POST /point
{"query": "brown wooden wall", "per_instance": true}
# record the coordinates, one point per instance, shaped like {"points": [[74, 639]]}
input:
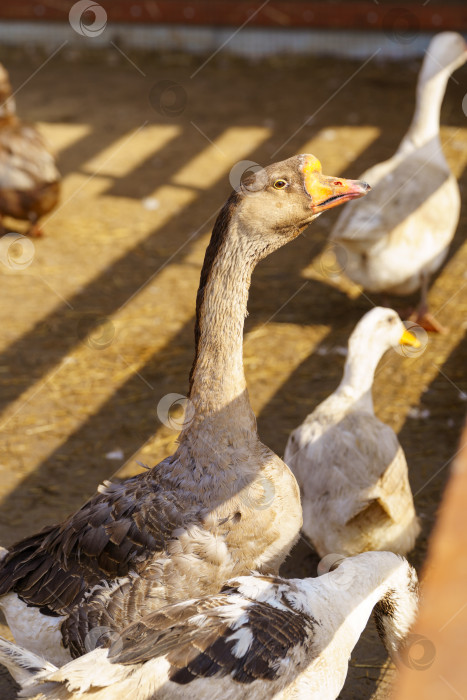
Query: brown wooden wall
{"points": [[356, 14]]}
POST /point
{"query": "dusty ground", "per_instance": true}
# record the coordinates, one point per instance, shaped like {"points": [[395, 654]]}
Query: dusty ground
{"points": [[122, 255]]}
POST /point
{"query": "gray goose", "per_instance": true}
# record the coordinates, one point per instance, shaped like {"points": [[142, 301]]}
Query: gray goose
{"points": [[223, 504], [29, 179], [261, 637]]}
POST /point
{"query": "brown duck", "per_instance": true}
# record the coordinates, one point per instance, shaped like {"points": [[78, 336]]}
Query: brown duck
{"points": [[223, 504], [29, 179]]}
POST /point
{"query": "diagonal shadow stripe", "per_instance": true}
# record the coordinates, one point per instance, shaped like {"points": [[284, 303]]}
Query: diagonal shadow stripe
{"points": [[106, 281], [88, 444], [104, 294]]}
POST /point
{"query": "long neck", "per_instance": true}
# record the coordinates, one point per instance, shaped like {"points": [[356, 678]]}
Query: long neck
{"points": [[218, 390], [431, 87], [359, 372]]}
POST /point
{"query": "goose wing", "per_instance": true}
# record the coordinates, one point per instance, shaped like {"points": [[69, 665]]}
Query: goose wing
{"points": [[225, 634], [401, 186], [346, 465], [121, 528]]}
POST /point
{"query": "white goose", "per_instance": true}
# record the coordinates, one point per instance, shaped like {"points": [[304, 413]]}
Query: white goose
{"points": [[262, 637], [401, 234], [223, 504], [350, 466]]}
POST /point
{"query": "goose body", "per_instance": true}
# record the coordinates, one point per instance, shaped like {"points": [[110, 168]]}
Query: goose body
{"points": [[350, 466], [401, 233], [29, 179], [261, 637], [223, 504]]}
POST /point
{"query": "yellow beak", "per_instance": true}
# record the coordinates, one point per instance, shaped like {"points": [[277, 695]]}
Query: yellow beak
{"points": [[327, 192], [408, 338]]}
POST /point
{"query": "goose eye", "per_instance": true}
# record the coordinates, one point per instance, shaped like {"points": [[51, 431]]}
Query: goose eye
{"points": [[280, 184]]}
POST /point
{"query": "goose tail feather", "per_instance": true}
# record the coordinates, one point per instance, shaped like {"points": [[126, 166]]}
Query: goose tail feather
{"points": [[23, 665]]}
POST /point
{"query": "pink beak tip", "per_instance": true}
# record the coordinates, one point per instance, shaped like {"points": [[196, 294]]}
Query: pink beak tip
{"points": [[365, 186]]}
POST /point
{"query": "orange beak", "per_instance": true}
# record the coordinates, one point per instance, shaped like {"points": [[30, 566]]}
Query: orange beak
{"points": [[327, 192]]}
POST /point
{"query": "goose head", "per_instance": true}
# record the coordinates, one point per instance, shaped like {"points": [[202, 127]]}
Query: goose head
{"points": [[396, 610], [446, 53], [7, 102], [380, 581], [379, 330], [276, 203]]}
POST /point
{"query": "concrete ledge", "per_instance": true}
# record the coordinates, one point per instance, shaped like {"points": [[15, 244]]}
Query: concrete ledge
{"points": [[253, 43]]}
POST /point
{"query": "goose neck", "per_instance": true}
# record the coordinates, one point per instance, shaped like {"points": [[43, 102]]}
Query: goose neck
{"points": [[431, 87], [357, 380], [380, 579], [218, 391]]}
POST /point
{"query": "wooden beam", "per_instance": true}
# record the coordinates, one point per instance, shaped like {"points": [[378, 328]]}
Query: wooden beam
{"points": [[434, 666], [343, 14]]}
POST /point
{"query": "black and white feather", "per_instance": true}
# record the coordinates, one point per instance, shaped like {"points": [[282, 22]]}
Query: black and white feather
{"points": [[350, 466], [261, 637]]}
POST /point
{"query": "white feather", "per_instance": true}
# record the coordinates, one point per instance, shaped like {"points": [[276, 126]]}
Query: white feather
{"points": [[350, 466], [400, 233], [338, 604]]}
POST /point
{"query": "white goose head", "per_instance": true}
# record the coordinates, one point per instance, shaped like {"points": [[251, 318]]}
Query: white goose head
{"points": [[379, 330], [396, 610], [380, 581], [446, 53]]}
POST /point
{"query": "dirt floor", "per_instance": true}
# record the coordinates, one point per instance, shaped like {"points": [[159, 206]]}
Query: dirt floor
{"points": [[97, 320]]}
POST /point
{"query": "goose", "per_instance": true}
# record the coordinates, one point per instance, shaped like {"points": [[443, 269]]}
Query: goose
{"points": [[401, 233], [261, 637], [29, 179], [349, 465], [223, 504]]}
